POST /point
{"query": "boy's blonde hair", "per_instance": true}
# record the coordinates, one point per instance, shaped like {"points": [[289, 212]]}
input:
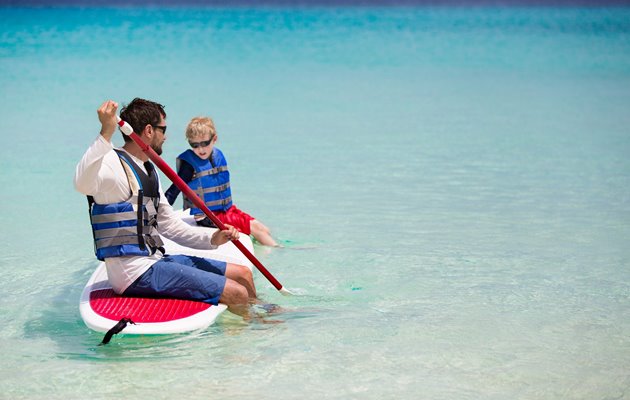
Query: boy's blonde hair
{"points": [[199, 126]]}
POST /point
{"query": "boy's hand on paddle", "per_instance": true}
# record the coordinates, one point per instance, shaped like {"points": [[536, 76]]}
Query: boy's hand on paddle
{"points": [[222, 237]]}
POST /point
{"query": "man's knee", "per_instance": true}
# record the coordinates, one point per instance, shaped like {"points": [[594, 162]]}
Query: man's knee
{"points": [[234, 293], [246, 273], [239, 272]]}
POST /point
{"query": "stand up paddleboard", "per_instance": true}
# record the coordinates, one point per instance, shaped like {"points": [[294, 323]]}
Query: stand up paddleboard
{"points": [[102, 309]]}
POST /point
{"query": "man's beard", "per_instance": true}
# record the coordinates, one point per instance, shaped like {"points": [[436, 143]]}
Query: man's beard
{"points": [[157, 148]]}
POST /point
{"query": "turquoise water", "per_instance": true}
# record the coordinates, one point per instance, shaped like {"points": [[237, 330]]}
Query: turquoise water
{"points": [[453, 185]]}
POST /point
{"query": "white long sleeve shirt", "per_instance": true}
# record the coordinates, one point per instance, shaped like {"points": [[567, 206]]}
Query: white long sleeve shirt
{"points": [[101, 175]]}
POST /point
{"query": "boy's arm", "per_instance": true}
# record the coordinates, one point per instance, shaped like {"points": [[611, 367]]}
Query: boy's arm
{"points": [[186, 172]]}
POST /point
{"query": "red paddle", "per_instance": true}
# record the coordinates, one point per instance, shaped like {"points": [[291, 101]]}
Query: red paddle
{"points": [[168, 171]]}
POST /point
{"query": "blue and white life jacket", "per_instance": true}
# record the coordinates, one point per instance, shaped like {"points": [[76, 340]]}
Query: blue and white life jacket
{"points": [[211, 181], [128, 228]]}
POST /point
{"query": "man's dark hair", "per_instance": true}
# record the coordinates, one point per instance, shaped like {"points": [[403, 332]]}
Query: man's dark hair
{"points": [[140, 113]]}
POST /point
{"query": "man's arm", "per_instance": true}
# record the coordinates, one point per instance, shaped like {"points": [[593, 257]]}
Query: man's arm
{"points": [[90, 173], [172, 227]]}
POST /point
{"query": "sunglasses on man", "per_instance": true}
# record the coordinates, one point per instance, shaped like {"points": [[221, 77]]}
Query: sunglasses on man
{"points": [[162, 127]]}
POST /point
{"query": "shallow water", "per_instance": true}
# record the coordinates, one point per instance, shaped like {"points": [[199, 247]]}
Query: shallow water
{"points": [[452, 186]]}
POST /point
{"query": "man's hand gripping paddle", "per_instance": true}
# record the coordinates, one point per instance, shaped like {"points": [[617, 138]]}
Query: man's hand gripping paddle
{"points": [[192, 196]]}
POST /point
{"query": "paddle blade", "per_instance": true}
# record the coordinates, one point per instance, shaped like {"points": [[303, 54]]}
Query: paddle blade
{"points": [[286, 291]]}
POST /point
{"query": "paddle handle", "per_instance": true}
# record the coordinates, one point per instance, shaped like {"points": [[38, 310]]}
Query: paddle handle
{"points": [[192, 196]]}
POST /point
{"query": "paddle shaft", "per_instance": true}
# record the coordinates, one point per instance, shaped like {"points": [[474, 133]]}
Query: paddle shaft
{"points": [[192, 196]]}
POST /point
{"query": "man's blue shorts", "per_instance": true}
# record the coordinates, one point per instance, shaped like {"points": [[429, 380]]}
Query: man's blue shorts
{"points": [[182, 277]]}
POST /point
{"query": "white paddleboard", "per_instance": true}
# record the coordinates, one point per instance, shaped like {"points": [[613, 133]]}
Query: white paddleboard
{"points": [[101, 308]]}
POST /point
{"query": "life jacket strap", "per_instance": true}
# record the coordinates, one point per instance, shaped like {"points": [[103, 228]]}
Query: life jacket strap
{"points": [[114, 232], [117, 217], [221, 202], [116, 241], [154, 242], [210, 171], [213, 189]]}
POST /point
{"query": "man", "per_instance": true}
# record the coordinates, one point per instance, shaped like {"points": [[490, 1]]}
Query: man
{"points": [[128, 209]]}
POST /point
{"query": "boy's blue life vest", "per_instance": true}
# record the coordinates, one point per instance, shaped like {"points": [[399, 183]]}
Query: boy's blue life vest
{"points": [[211, 181], [128, 228]]}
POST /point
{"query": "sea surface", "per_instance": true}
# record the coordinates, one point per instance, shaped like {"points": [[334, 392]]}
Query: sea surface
{"points": [[451, 184]]}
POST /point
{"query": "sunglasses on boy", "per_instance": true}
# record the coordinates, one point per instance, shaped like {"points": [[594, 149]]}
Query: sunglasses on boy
{"points": [[205, 143]]}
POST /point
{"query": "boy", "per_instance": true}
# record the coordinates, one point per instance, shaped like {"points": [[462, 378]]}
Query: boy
{"points": [[205, 170]]}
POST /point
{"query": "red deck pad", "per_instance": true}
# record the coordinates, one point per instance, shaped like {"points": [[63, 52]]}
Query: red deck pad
{"points": [[109, 305]]}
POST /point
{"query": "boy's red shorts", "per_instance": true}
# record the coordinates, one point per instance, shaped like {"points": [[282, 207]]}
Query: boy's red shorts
{"points": [[235, 217]]}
